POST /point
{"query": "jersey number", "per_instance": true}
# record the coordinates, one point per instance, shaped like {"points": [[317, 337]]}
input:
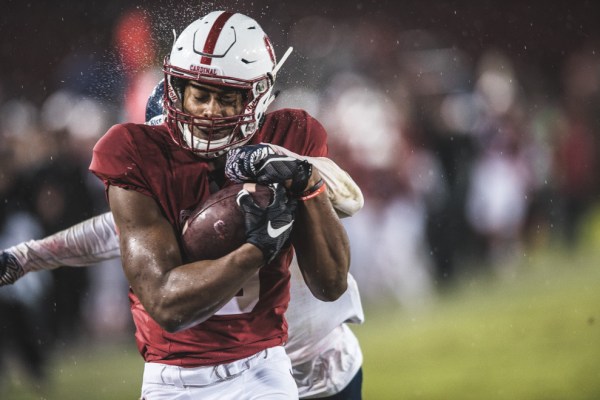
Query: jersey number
{"points": [[245, 300]]}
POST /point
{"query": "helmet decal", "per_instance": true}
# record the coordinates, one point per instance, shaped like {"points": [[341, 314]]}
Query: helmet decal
{"points": [[213, 36]]}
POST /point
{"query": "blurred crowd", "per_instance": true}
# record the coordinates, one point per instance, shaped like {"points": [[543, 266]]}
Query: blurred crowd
{"points": [[466, 161]]}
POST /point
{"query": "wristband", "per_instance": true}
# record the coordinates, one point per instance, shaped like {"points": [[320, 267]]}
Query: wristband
{"points": [[314, 191]]}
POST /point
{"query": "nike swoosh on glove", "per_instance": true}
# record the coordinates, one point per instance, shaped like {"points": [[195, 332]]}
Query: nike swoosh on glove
{"points": [[268, 228], [10, 269]]}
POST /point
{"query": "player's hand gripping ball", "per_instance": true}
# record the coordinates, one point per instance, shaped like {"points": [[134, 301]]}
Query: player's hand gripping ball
{"points": [[259, 163], [268, 228], [217, 226]]}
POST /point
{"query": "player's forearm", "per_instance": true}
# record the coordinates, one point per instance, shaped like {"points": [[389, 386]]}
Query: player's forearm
{"points": [[344, 194], [322, 246], [191, 293], [86, 243]]}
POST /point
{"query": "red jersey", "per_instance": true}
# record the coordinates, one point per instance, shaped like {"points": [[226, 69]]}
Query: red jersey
{"points": [[145, 158]]}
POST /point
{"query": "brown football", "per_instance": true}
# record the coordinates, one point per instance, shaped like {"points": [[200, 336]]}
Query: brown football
{"points": [[216, 227]]}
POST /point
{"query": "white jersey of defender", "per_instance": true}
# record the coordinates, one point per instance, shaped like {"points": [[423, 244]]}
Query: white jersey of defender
{"points": [[325, 353]]}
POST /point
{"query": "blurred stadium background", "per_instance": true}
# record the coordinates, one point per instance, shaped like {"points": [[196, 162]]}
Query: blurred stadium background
{"points": [[472, 128]]}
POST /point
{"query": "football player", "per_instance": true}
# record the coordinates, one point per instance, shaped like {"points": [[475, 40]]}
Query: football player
{"points": [[325, 354], [218, 83]]}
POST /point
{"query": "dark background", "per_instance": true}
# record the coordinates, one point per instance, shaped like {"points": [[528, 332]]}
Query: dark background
{"points": [[37, 37]]}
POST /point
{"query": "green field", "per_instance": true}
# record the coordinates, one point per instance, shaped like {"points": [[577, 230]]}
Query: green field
{"points": [[535, 335]]}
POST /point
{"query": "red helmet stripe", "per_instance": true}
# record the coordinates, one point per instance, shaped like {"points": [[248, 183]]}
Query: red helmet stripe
{"points": [[213, 36]]}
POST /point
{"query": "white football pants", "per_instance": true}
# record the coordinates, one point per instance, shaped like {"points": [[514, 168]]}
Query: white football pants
{"points": [[265, 375]]}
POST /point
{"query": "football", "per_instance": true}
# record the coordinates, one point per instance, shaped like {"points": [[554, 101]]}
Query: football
{"points": [[216, 227]]}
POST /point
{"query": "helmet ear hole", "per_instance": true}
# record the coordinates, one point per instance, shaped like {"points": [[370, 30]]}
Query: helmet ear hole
{"points": [[260, 87]]}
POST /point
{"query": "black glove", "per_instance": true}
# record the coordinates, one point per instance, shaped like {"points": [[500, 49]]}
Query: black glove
{"points": [[241, 162], [259, 163], [268, 228], [10, 269]]}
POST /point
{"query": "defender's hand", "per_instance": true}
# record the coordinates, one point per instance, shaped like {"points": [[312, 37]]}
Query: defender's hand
{"points": [[10, 269], [268, 228]]}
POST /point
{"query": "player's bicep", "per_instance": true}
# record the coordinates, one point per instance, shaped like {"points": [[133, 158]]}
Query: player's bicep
{"points": [[149, 248]]}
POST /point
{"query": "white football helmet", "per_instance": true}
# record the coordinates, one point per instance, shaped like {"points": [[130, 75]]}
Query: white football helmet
{"points": [[223, 49]]}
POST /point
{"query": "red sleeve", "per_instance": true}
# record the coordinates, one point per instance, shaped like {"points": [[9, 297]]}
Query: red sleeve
{"points": [[116, 159], [316, 138], [295, 130]]}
